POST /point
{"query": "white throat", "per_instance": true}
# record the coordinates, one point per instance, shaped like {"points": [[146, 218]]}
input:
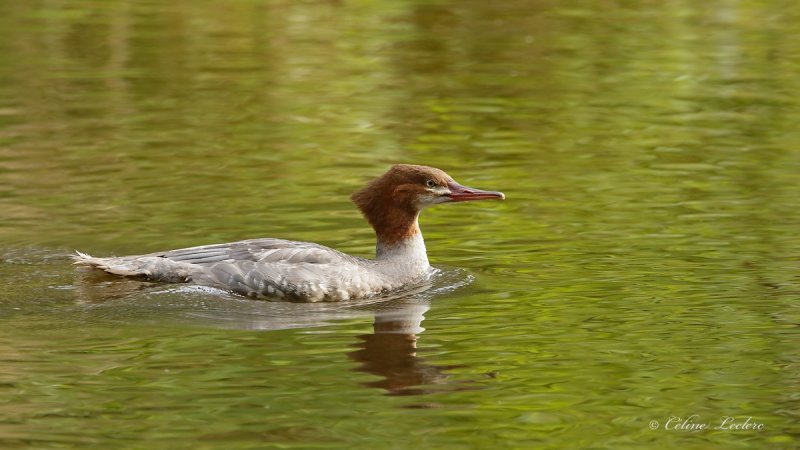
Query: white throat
{"points": [[405, 259]]}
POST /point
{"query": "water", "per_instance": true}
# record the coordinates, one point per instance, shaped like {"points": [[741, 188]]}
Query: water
{"points": [[645, 264]]}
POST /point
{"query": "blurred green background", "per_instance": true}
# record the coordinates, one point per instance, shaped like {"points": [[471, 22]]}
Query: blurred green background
{"points": [[645, 264]]}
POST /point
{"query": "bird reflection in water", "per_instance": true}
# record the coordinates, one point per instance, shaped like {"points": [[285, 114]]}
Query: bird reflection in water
{"points": [[389, 352]]}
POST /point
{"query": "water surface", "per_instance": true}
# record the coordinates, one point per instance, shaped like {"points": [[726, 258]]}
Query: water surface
{"points": [[645, 264]]}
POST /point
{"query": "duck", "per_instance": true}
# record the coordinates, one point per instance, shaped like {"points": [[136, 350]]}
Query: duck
{"points": [[278, 269]]}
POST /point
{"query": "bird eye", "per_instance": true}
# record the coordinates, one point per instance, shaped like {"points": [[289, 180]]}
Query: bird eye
{"points": [[430, 183]]}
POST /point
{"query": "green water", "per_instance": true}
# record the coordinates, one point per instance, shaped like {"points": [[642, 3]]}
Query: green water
{"points": [[645, 264]]}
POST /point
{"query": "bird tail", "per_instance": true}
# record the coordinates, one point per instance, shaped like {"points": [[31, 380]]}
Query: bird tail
{"points": [[151, 267]]}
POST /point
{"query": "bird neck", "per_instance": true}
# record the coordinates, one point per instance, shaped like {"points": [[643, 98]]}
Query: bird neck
{"points": [[410, 249]]}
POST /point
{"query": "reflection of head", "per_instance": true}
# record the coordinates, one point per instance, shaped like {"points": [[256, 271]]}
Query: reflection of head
{"points": [[390, 352]]}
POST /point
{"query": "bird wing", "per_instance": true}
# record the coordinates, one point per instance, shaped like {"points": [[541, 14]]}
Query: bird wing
{"points": [[266, 250], [269, 267]]}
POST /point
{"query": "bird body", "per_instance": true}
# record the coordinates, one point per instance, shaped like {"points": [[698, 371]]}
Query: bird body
{"points": [[304, 271]]}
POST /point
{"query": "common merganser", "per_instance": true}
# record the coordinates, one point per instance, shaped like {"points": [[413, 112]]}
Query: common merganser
{"points": [[303, 271]]}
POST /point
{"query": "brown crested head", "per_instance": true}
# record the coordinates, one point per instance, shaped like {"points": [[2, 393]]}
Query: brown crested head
{"points": [[401, 186], [392, 202]]}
